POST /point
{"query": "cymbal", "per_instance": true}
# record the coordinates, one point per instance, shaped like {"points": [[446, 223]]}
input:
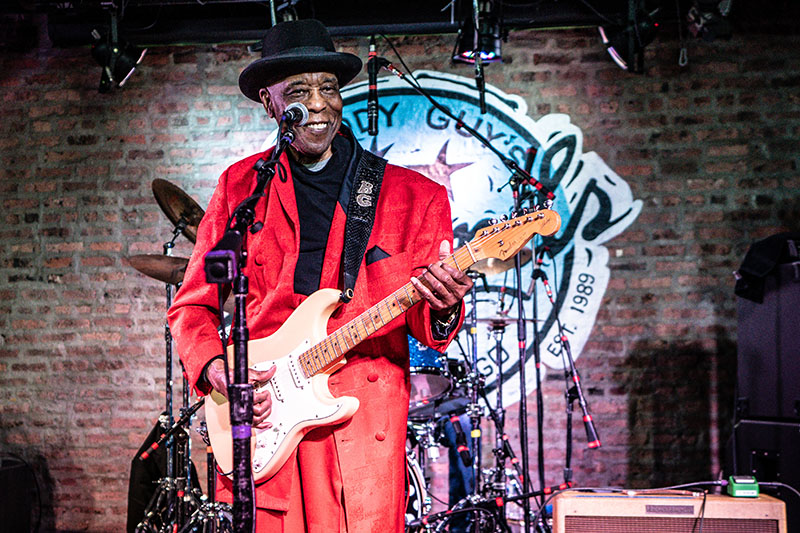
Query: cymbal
{"points": [[161, 267], [167, 269], [491, 266], [178, 205]]}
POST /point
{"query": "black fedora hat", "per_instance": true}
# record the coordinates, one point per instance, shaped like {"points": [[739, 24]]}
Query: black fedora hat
{"points": [[293, 48]]}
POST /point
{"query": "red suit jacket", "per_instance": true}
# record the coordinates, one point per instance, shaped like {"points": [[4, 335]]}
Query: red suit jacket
{"points": [[411, 220]]}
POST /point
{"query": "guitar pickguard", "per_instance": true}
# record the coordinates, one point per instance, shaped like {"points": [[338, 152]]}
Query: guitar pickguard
{"points": [[294, 406]]}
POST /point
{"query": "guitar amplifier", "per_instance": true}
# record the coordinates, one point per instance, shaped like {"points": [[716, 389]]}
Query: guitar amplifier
{"points": [[666, 512]]}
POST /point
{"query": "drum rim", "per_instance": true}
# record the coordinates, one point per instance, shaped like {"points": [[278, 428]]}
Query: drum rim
{"points": [[414, 370], [414, 471]]}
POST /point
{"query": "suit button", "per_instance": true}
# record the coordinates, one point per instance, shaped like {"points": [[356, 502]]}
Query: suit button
{"points": [[260, 259], [372, 378], [380, 435]]}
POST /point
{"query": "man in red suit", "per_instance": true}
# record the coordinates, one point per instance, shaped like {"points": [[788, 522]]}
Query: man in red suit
{"points": [[351, 476]]}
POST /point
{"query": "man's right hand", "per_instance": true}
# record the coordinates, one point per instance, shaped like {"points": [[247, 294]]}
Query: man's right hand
{"points": [[262, 400]]}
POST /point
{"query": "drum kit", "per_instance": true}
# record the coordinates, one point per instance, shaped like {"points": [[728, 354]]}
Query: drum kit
{"points": [[447, 403], [446, 395]]}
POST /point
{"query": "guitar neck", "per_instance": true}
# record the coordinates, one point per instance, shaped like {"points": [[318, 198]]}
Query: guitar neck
{"points": [[334, 347], [501, 240]]}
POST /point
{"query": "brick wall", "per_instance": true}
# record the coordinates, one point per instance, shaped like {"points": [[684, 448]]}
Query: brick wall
{"points": [[711, 149]]}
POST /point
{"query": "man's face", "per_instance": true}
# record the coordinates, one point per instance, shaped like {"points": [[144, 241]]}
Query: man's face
{"points": [[319, 92]]}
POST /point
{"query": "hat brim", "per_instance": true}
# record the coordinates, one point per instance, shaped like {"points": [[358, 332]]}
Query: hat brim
{"points": [[266, 71]]}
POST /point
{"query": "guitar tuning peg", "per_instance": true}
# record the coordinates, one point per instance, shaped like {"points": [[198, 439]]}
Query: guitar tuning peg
{"points": [[503, 218], [525, 210], [493, 221], [536, 207], [514, 214], [548, 203]]}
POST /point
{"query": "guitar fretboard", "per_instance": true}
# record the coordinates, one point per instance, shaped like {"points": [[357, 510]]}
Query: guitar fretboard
{"points": [[330, 350]]}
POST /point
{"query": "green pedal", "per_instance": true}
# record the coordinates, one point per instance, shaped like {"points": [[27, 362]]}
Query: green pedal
{"points": [[743, 487]]}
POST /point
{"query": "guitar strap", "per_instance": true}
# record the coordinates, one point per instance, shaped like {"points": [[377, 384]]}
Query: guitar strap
{"points": [[360, 217]]}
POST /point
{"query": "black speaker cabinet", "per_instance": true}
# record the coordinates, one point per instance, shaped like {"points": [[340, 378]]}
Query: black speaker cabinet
{"points": [[768, 338], [16, 493], [673, 512]]}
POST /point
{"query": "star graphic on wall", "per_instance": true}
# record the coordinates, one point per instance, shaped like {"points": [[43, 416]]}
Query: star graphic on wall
{"points": [[378, 151], [440, 171]]}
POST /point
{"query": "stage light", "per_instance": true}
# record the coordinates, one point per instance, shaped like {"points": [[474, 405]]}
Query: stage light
{"points": [[708, 19], [117, 57], [486, 40], [626, 44]]}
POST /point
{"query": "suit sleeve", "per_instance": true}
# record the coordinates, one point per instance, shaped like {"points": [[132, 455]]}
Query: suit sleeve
{"points": [[437, 226], [193, 317]]}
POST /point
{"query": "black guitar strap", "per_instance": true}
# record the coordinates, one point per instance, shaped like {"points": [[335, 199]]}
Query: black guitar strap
{"points": [[360, 217]]}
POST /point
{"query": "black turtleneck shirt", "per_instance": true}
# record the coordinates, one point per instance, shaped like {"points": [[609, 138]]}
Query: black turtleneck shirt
{"points": [[316, 193]]}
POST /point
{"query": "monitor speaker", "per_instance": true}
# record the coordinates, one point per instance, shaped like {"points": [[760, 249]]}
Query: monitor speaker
{"points": [[666, 512]]}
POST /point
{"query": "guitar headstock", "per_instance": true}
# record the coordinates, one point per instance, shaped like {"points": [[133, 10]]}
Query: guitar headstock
{"points": [[506, 238]]}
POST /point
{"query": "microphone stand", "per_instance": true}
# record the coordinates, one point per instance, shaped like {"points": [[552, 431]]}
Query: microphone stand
{"points": [[499, 419], [475, 387], [169, 420], [480, 83], [519, 177], [523, 394], [574, 392], [183, 457], [223, 266], [517, 172]]}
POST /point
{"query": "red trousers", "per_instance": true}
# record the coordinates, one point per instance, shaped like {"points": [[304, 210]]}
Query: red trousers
{"points": [[316, 504]]}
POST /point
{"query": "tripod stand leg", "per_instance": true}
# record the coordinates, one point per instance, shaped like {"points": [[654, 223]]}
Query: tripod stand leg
{"points": [[156, 502]]}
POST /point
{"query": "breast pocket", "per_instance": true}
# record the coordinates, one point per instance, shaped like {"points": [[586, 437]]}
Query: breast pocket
{"points": [[387, 275]]}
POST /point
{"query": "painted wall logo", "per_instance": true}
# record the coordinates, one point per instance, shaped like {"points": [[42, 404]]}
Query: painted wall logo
{"points": [[595, 204]]}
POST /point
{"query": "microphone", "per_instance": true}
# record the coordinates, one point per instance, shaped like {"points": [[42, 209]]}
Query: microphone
{"points": [[591, 432], [538, 273], [384, 64], [295, 114], [546, 491], [372, 95], [530, 156], [427, 520], [153, 447], [171, 431], [543, 249], [461, 441]]}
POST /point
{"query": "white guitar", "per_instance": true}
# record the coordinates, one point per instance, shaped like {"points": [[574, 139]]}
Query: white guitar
{"points": [[305, 355]]}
